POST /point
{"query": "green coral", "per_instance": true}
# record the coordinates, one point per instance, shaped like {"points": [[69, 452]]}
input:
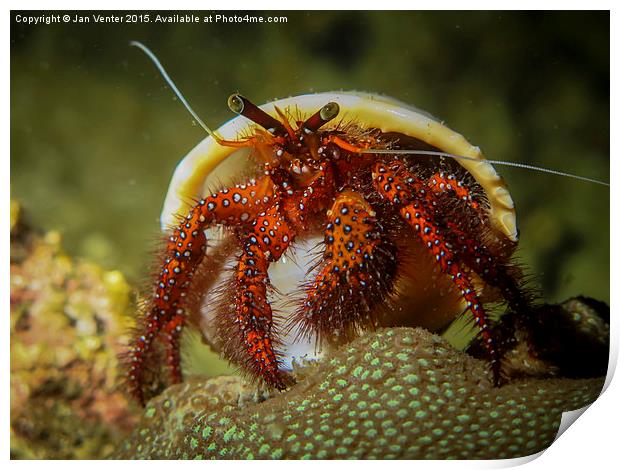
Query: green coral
{"points": [[395, 393]]}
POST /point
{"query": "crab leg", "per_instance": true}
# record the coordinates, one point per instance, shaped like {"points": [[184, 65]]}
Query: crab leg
{"points": [[268, 239], [184, 252], [172, 338], [442, 182], [470, 249], [473, 252], [492, 269], [271, 234], [356, 273], [397, 185]]}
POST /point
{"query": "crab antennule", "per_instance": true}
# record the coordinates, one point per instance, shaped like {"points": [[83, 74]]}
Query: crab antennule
{"points": [[151, 55], [241, 105], [321, 117]]}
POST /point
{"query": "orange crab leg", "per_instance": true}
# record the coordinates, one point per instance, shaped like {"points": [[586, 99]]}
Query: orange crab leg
{"points": [[287, 125], [172, 336], [268, 239], [356, 273], [271, 233], [442, 182], [395, 184], [474, 253], [344, 145], [494, 270], [184, 252]]}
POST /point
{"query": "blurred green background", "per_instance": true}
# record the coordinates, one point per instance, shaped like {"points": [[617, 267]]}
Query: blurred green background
{"points": [[95, 133]]}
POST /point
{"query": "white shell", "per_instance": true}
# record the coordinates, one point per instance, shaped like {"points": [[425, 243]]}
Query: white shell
{"points": [[371, 110]]}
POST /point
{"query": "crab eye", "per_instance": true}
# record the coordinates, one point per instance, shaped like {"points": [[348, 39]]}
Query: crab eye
{"points": [[321, 117], [235, 103], [329, 111], [241, 105]]}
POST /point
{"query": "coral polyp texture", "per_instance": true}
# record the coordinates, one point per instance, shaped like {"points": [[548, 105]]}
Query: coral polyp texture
{"points": [[391, 394], [383, 212]]}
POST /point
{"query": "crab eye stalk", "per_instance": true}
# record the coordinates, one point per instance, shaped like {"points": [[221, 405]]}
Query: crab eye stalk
{"points": [[241, 105], [321, 117]]}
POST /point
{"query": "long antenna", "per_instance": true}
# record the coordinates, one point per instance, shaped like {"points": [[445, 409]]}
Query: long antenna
{"points": [[172, 85], [493, 162]]}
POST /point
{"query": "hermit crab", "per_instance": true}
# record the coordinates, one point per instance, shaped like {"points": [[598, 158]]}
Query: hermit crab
{"points": [[391, 218]]}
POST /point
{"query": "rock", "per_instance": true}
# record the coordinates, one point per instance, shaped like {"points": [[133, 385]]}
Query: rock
{"points": [[396, 393], [69, 320], [542, 342], [580, 320]]}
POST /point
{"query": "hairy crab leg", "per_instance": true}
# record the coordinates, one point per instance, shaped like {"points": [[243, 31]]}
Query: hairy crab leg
{"points": [[356, 273], [393, 183], [442, 182], [268, 239], [271, 234], [184, 252], [472, 251], [172, 337], [493, 269]]}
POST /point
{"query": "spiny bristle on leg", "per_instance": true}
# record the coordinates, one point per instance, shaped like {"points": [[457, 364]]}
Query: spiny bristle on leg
{"points": [[403, 190], [356, 273], [480, 249], [247, 331], [185, 250]]}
